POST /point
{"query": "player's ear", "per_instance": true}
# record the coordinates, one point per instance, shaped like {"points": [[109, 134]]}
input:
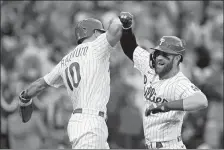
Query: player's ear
{"points": [[178, 58], [96, 33]]}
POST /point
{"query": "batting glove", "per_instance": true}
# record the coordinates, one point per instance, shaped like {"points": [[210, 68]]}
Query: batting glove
{"points": [[24, 101], [126, 19], [160, 108]]}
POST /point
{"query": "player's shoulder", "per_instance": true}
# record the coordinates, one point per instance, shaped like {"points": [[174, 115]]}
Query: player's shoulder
{"points": [[101, 46], [182, 79], [184, 84], [180, 76], [100, 39], [140, 54]]}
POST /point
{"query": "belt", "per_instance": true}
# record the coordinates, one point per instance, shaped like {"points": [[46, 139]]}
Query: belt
{"points": [[80, 110], [153, 145]]}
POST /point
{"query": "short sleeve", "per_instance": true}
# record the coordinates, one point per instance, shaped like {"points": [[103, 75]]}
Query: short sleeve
{"points": [[54, 77], [101, 46], [185, 89], [141, 60]]}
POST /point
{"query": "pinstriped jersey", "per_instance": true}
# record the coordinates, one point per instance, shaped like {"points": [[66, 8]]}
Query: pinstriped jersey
{"points": [[85, 74], [161, 126]]}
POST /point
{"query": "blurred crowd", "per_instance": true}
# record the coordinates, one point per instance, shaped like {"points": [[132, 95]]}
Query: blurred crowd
{"points": [[35, 35]]}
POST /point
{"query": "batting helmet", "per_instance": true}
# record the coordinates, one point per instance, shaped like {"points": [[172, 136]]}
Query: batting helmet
{"points": [[86, 28], [171, 44]]}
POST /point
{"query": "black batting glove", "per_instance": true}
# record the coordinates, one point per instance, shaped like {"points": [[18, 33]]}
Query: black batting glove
{"points": [[126, 19], [22, 97], [159, 109]]}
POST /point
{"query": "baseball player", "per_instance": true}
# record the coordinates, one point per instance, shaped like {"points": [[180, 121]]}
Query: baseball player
{"points": [[167, 92], [86, 76]]}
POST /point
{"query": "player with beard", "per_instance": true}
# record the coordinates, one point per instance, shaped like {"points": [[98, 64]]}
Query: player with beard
{"points": [[168, 93]]}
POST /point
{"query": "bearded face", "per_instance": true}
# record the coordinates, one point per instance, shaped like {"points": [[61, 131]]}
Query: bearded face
{"points": [[163, 62]]}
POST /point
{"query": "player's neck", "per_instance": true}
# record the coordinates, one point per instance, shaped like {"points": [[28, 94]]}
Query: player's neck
{"points": [[170, 74], [90, 39]]}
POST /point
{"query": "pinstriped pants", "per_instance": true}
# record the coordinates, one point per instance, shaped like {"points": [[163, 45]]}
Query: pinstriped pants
{"points": [[86, 131]]}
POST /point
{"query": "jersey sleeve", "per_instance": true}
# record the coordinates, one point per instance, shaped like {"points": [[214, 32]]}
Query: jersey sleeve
{"points": [[141, 60], [185, 88], [101, 46], [54, 77]]}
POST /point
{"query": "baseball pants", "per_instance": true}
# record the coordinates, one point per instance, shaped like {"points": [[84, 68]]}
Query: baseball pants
{"points": [[88, 130]]}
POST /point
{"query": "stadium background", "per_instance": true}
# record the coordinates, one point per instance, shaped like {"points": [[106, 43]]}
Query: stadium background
{"points": [[36, 34]]}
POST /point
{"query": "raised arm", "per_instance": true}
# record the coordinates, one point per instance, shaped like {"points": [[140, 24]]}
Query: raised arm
{"points": [[26, 96], [114, 31], [128, 40]]}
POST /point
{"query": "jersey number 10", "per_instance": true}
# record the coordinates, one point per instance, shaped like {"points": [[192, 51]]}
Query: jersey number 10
{"points": [[73, 83]]}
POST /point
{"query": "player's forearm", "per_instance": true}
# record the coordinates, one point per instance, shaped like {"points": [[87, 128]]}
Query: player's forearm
{"points": [[35, 88], [195, 102], [114, 32], [26, 107], [128, 42]]}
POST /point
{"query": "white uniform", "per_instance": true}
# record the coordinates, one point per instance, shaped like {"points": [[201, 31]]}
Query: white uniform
{"points": [[85, 73], [162, 127]]}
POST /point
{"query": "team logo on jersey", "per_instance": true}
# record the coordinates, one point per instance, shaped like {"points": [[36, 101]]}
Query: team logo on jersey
{"points": [[150, 95]]}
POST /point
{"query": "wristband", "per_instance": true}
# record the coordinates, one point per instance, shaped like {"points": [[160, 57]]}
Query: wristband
{"points": [[127, 28], [22, 98], [25, 103]]}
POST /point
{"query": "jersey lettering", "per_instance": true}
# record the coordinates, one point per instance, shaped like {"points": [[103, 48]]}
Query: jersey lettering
{"points": [[150, 95], [79, 51]]}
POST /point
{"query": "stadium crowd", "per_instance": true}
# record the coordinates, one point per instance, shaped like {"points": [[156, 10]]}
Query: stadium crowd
{"points": [[35, 35]]}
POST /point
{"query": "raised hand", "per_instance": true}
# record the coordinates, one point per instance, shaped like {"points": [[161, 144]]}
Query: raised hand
{"points": [[126, 19]]}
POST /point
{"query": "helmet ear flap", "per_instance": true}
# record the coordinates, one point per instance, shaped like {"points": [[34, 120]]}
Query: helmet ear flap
{"points": [[152, 60], [181, 59]]}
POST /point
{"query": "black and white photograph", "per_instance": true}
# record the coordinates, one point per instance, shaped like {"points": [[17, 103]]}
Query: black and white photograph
{"points": [[111, 74]]}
